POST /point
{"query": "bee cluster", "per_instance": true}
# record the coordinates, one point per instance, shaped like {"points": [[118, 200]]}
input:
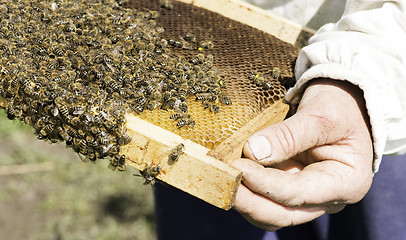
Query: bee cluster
{"points": [[73, 69]]}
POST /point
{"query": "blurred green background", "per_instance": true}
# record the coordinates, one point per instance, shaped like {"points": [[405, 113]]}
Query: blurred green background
{"points": [[46, 192]]}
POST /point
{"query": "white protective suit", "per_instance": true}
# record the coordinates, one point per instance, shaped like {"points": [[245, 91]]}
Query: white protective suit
{"points": [[366, 45]]}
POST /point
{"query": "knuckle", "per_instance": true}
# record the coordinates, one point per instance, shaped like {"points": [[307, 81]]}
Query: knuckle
{"points": [[285, 137]]}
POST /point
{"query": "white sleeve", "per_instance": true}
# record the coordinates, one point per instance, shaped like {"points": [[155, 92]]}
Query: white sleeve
{"points": [[366, 47]]}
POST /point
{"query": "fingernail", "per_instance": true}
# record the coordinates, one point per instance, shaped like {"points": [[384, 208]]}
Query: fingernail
{"points": [[260, 147]]}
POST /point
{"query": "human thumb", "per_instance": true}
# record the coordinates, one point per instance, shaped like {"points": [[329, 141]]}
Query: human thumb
{"points": [[288, 138]]}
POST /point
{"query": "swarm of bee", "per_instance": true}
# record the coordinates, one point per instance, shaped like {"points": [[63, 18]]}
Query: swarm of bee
{"points": [[73, 69]]}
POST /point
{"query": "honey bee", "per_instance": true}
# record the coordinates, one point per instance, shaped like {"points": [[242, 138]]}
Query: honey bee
{"points": [[179, 65], [80, 145], [276, 73], [63, 134], [28, 120], [163, 43], [109, 124], [185, 121], [175, 116], [42, 133], [10, 111], [259, 79], [77, 110], [75, 121], [267, 85], [15, 83], [187, 66], [31, 27], [192, 91], [151, 87], [62, 109], [176, 152], [121, 167], [113, 164], [152, 104], [125, 139], [183, 89], [18, 113], [170, 102], [112, 84], [150, 173], [206, 66], [40, 123], [181, 59], [212, 107], [200, 74], [252, 76], [204, 97], [104, 140], [202, 44], [157, 96], [73, 79], [49, 129], [209, 58], [120, 162], [52, 64], [112, 150], [115, 160], [183, 107], [70, 130], [58, 51], [127, 78], [81, 133], [89, 138], [190, 37], [139, 100], [225, 99], [91, 155]]}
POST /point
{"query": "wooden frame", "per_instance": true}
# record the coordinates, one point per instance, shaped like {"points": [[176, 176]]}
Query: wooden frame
{"points": [[198, 171]]}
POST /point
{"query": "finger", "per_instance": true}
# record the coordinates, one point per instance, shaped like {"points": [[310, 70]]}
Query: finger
{"points": [[290, 166], [290, 137], [270, 215], [327, 182]]}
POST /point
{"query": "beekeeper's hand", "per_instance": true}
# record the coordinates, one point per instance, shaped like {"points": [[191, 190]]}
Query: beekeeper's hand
{"points": [[313, 163]]}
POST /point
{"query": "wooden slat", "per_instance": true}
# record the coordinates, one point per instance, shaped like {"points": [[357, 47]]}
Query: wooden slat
{"points": [[231, 148], [256, 17], [194, 172]]}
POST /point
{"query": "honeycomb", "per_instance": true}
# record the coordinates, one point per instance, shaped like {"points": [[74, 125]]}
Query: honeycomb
{"points": [[73, 69], [239, 50]]}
